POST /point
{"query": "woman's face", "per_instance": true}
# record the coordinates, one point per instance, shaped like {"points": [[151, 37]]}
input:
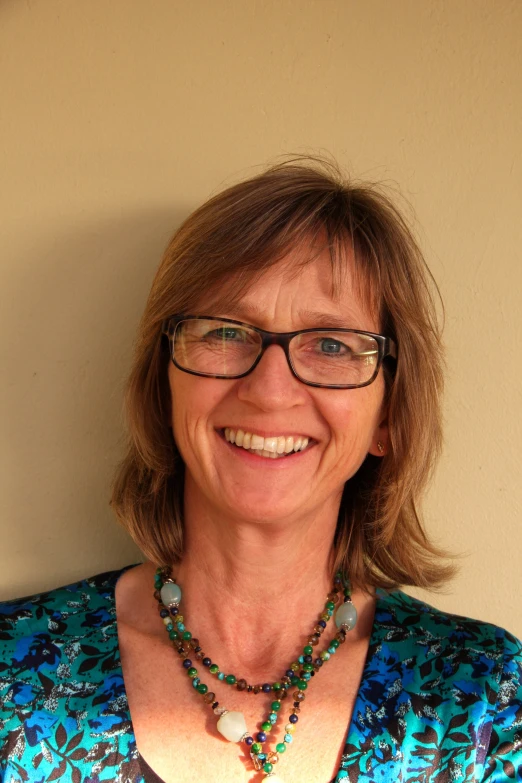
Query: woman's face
{"points": [[342, 425]]}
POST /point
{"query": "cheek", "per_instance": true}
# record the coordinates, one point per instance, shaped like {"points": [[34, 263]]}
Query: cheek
{"points": [[193, 401], [354, 414]]}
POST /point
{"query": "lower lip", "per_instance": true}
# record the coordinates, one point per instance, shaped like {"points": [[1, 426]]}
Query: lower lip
{"points": [[268, 462]]}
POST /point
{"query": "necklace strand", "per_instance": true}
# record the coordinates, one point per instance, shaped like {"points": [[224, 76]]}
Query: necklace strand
{"points": [[231, 724]]}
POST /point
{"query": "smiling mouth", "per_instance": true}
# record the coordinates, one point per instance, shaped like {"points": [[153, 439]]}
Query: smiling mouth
{"points": [[271, 447]]}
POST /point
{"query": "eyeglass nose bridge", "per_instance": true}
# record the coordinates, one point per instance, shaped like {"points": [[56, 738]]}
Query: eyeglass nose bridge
{"points": [[275, 338]]}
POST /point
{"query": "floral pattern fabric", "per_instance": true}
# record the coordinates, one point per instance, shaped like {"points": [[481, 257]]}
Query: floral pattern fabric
{"points": [[440, 698]]}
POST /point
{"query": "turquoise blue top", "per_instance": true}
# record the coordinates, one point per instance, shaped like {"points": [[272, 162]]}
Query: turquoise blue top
{"points": [[440, 698]]}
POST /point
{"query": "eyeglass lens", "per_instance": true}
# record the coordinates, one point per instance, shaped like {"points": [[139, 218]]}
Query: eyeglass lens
{"points": [[216, 347]]}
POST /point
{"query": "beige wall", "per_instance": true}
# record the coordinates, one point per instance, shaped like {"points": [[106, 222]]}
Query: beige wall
{"points": [[117, 118]]}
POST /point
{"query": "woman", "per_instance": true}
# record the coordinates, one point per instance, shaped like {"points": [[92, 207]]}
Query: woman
{"points": [[284, 417]]}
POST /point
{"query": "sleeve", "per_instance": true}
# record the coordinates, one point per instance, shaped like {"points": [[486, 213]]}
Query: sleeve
{"points": [[503, 762]]}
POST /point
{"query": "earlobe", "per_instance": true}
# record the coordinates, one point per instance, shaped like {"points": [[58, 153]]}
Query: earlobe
{"points": [[379, 445]]}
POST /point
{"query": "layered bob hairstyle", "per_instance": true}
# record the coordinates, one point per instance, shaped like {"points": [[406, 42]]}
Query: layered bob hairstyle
{"points": [[224, 246]]}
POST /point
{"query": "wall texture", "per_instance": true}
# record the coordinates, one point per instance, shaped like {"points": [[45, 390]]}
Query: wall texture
{"points": [[116, 119]]}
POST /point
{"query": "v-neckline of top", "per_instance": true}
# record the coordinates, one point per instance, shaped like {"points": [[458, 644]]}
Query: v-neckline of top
{"points": [[380, 599]]}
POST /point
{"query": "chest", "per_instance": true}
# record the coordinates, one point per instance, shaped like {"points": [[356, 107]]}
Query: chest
{"points": [[176, 731]]}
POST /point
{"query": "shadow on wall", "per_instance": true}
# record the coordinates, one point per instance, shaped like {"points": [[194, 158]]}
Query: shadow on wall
{"points": [[73, 302]]}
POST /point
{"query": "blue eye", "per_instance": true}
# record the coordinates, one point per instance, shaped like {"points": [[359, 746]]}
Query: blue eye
{"points": [[225, 333], [331, 346]]}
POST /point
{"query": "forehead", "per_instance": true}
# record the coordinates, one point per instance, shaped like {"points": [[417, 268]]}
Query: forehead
{"points": [[312, 289]]}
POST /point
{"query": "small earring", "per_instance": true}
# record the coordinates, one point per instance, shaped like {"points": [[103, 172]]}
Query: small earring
{"points": [[380, 447]]}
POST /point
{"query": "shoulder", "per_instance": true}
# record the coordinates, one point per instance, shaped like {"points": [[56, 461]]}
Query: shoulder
{"points": [[447, 681], [40, 634], [403, 617], [60, 679], [445, 649], [60, 611]]}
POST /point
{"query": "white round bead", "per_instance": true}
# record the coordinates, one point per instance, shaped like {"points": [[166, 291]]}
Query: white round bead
{"points": [[346, 614], [170, 593], [232, 726]]}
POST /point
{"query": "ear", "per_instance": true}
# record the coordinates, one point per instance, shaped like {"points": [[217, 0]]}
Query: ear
{"points": [[380, 440]]}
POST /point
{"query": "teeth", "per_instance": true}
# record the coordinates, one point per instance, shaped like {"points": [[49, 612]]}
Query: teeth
{"points": [[257, 442], [270, 447]]}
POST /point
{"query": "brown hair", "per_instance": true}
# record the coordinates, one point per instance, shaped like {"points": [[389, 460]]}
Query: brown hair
{"points": [[221, 248]]}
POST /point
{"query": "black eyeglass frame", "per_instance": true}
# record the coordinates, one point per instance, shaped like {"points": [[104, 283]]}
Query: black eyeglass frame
{"points": [[386, 347]]}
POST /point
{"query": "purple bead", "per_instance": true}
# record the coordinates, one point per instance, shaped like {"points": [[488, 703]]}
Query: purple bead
{"points": [[322, 623], [249, 740], [266, 688], [174, 610], [206, 661], [319, 661], [187, 663], [308, 659], [289, 673], [293, 718], [261, 736], [164, 613]]}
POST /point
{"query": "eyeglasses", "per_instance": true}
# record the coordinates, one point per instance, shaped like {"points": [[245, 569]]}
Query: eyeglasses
{"points": [[223, 348]]}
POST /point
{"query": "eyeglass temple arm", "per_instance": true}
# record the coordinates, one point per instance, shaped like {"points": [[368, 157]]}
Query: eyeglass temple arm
{"points": [[391, 347]]}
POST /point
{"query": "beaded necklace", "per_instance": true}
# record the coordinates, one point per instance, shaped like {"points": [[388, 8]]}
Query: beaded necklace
{"points": [[231, 724]]}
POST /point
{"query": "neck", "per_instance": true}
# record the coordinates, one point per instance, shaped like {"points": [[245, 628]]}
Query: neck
{"points": [[264, 583]]}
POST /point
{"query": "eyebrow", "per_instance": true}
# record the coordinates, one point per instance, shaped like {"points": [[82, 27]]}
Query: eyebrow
{"points": [[313, 318]]}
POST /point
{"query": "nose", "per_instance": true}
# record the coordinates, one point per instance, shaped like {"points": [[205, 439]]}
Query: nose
{"points": [[271, 385]]}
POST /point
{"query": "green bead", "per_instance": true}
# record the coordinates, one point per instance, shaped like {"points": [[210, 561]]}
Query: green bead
{"points": [[302, 685], [192, 672], [256, 748], [267, 767], [330, 605], [214, 668], [202, 688], [230, 679], [277, 686], [173, 635], [280, 747], [308, 650], [266, 726], [308, 667], [276, 705], [334, 643], [187, 635]]}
